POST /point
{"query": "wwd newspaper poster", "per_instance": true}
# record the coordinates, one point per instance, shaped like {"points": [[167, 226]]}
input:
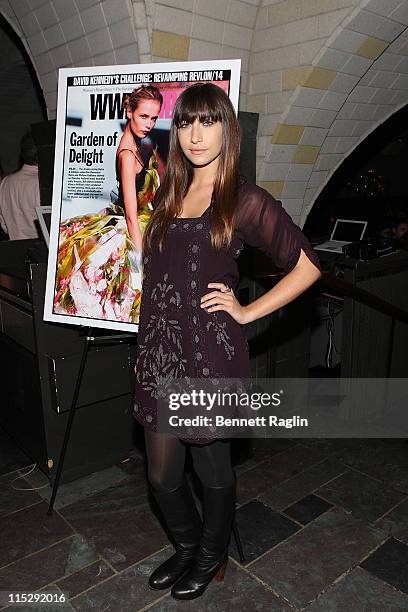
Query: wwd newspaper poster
{"points": [[94, 275]]}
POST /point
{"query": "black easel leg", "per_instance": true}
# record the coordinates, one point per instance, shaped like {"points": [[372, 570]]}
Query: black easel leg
{"points": [[237, 537], [70, 421]]}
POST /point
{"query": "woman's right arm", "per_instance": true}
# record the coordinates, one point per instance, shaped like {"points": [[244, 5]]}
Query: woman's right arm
{"points": [[129, 168]]}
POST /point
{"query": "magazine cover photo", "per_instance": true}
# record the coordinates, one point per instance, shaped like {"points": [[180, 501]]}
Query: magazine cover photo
{"points": [[111, 151]]}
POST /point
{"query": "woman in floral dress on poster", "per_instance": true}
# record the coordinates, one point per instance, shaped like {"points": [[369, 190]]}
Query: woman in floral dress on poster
{"points": [[99, 255], [191, 322]]}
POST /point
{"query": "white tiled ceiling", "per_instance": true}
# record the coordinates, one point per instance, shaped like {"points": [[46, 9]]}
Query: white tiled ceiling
{"points": [[362, 93]]}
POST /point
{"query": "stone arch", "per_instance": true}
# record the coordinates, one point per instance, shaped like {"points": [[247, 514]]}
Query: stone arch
{"points": [[357, 80], [22, 99]]}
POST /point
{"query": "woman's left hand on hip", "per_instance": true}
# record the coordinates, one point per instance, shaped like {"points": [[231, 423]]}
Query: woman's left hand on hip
{"points": [[223, 298]]}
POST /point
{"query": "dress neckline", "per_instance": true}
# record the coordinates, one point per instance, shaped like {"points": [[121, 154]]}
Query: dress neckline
{"points": [[193, 218]]}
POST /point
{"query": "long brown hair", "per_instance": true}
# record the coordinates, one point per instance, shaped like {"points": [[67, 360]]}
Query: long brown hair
{"points": [[204, 101]]}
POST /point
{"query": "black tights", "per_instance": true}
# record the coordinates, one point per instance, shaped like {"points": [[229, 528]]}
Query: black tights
{"points": [[166, 458]]}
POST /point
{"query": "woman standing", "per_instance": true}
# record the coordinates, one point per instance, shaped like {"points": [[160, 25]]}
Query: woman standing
{"points": [[190, 324]]}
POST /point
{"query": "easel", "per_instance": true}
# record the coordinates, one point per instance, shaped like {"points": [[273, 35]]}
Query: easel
{"points": [[89, 339]]}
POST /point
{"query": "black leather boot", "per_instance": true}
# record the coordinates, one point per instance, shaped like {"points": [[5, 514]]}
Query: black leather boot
{"points": [[180, 512], [212, 556]]}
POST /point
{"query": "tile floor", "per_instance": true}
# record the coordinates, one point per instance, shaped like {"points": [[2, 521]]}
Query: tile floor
{"points": [[324, 524]]}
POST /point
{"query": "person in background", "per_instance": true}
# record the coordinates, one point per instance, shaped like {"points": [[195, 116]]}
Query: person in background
{"points": [[20, 194], [400, 232], [401, 229]]}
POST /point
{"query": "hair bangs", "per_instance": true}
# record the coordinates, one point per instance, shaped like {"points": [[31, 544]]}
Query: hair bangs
{"points": [[205, 106]]}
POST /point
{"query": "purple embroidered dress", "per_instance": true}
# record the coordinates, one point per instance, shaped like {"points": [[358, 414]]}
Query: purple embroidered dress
{"points": [[177, 338]]}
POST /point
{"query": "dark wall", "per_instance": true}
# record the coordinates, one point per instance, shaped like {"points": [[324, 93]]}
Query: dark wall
{"points": [[21, 100]]}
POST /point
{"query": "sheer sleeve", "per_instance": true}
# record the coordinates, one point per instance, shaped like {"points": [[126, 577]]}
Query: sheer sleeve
{"points": [[262, 222]]}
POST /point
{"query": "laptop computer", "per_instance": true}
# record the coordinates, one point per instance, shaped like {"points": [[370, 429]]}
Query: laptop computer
{"points": [[344, 232]]}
